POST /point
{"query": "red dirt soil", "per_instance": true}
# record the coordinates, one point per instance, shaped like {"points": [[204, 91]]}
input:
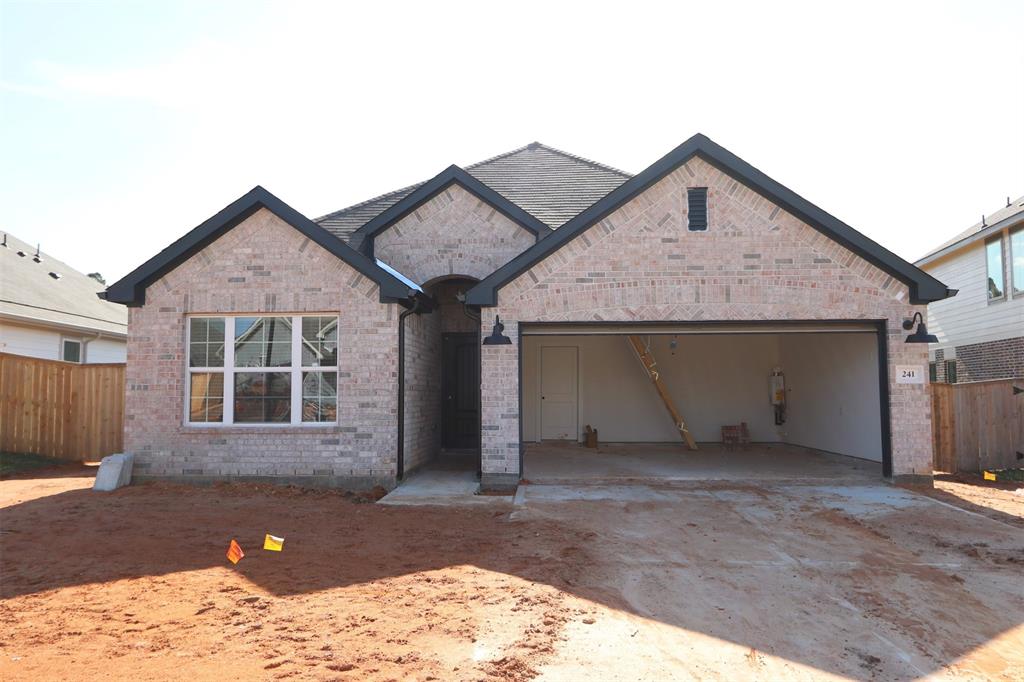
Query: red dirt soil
{"points": [[135, 584]]}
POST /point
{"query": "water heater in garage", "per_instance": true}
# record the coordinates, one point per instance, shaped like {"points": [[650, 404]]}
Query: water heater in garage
{"points": [[777, 382]]}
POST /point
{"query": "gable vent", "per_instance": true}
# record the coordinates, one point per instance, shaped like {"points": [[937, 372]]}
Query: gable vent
{"points": [[697, 209]]}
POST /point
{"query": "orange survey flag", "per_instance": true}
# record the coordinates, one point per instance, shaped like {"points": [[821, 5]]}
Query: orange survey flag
{"points": [[235, 552]]}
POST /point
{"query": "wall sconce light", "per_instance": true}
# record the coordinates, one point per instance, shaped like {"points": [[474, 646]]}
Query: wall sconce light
{"points": [[921, 335], [497, 338]]}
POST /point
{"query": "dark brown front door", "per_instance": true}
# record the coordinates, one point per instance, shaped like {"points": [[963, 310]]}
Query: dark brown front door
{"points": [[460, 385]]}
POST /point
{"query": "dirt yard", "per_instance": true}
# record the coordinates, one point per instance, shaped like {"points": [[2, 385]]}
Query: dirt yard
{"points": [[602, 582]]}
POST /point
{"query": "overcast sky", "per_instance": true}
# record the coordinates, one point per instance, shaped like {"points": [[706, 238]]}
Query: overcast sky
{"points": [[126, 124]]}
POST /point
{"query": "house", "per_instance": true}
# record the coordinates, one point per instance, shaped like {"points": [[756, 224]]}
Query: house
{"points": [[493, 309], [981, 330], [50, 310]]}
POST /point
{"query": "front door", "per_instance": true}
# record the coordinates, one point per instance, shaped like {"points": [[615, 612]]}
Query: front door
{"points": [[558, 392], [460, 385]]}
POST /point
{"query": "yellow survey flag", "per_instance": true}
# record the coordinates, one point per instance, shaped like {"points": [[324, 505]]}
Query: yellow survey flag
{"points": [[273, 543]]}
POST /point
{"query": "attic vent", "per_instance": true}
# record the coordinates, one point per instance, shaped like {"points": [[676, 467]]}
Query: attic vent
{"points": [[22, 254], [697, 209], [55, 275]]}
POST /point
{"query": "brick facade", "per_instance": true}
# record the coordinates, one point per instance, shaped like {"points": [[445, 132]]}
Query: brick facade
{"points": [[1002, 359], [264, 266], [755, 262], [455, 233]]}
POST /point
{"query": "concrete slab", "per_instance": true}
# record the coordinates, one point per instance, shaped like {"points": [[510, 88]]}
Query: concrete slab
{"points": [[569, 463], [442, 487], [115, 472]]}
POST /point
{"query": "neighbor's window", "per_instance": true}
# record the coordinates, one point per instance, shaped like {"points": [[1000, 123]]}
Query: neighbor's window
{"points": [[994, 260], [950, 371], [1017, 261], [70, 350], [263, 370]]}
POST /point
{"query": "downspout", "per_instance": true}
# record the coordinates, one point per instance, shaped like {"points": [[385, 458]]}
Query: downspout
{"points": [[401, 385]]}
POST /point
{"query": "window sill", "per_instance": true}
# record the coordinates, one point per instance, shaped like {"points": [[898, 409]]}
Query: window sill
{"points": [[262, 428]]}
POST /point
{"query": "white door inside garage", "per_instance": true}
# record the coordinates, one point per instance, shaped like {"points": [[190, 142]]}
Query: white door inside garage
{"points": [[717, 376]]}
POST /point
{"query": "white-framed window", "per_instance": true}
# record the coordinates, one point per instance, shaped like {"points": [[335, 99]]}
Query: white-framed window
{"points": [[1017, 261], [251, 369], [994, 266], [71, 350]]}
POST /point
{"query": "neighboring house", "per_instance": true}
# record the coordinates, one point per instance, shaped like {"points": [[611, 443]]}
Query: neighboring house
{"points": [[351, 349], [49, 310], [981, 330]]}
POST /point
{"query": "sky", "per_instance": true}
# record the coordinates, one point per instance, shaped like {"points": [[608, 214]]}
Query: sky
{"points": [[125, 124]]}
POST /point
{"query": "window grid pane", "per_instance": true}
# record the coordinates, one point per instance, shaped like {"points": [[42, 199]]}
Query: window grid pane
{"points": [[263, 342], [262, 397], [206, 397], [319, 397], [319, 342], [206, 337]]}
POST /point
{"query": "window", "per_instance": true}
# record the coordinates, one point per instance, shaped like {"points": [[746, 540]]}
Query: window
{"points": [[950, 371], [933, 372], [263, 370], [697, 209], [1017, 261], [70, 350], [994, 261]]}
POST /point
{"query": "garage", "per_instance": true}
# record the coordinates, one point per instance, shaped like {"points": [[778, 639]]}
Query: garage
{"points": [[723, 380]]}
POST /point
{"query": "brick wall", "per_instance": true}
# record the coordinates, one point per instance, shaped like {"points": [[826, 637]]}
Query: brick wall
{"points": [[264, 266], [422, 388], [455, 233], [1002, 359], [756, 262]]}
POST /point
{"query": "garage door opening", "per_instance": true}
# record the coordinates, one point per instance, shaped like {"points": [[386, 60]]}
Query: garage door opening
{"points": [[827, 422]]}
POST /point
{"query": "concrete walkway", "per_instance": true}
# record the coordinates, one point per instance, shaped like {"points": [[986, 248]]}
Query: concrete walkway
{"points": [[443, 487]]}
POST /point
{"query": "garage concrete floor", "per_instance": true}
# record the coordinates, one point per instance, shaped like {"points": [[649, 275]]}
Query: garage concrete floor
{"points": [[563, 462]]}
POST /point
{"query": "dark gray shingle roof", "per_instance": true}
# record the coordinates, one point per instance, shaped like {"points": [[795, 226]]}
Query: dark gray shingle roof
{"points": [[550, 184]]}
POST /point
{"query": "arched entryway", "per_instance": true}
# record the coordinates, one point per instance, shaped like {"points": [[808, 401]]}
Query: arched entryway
{"points": [[442, 382]]}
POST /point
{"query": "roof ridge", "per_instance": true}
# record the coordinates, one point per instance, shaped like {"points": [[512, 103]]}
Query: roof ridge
{"points": [[583, 159], [541, 145], [500, 156]]}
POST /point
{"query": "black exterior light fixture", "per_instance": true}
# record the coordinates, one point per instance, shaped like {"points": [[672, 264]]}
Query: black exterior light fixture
{"points": [[497, 338], [921, 335]]}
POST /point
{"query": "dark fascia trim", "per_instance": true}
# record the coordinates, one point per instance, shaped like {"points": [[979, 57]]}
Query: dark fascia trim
{"points": [[425, 192], [131, 289], [923, 287]]}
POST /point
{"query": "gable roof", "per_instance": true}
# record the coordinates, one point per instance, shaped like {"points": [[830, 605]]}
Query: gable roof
{"points": [[131, 289], [1008, 216], [923, 287], [29, 293], [363, 237], [547, 183]]}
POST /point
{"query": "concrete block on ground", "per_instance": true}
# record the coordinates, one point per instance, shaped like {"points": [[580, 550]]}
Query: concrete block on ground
{"points": [[115, 472]]}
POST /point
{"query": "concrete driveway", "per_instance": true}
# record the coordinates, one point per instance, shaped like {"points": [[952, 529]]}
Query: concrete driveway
{"points": [[734, 581]]}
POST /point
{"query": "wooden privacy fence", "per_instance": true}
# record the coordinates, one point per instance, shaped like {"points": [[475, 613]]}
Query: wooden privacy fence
{"points": [[60, 409], [978, 425]]}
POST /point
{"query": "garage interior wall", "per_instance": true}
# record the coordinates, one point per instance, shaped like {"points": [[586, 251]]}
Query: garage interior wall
{"points": [[718, 379]]}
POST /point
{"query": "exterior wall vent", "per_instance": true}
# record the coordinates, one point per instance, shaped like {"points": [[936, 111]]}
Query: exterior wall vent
{"points": [[697, 209]]}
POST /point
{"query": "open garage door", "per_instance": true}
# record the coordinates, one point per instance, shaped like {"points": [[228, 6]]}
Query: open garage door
{"points": [[829, 420]]}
